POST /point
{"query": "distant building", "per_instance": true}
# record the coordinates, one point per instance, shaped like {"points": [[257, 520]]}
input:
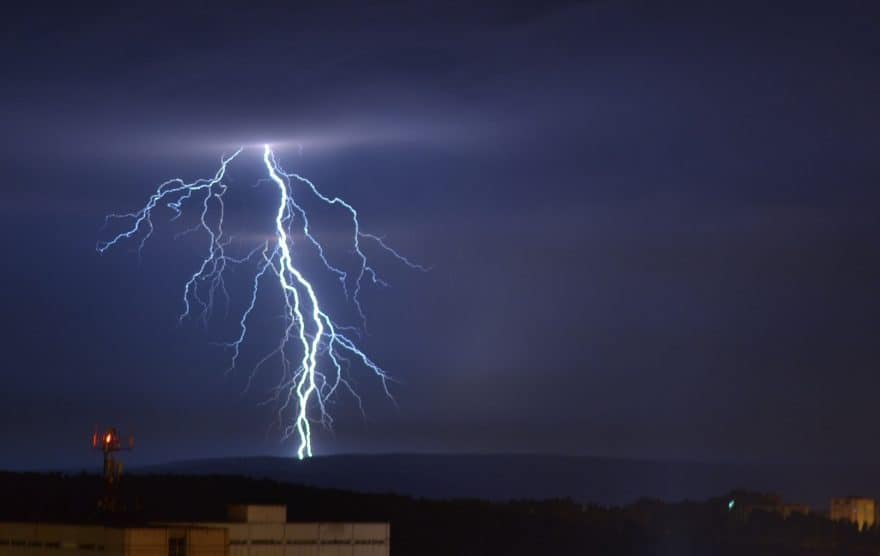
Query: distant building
{"points": [[744, 504], [250, 531], [790, 509], [861, 511]]}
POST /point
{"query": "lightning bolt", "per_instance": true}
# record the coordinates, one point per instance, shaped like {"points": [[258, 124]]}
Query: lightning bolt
{"points": [[324, 347]]}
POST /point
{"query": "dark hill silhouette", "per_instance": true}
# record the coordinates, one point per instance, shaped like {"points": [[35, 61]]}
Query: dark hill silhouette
{"points": [[504, 477]]}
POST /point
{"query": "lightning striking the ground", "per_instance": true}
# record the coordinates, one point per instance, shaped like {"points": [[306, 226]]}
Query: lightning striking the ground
{"points": [[313, 349]]}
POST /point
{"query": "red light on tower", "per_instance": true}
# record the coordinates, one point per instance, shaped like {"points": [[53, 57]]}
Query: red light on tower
{"points": [[109, 443]]}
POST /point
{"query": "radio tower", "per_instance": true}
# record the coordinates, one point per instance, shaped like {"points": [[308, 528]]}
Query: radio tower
{"points": [[109, 443]]}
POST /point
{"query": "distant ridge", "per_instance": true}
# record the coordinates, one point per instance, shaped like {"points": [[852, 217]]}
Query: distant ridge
{"points": [[504, 476]]}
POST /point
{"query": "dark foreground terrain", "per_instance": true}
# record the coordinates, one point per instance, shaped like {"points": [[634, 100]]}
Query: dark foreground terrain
{"points": [[499, 477], [422, 527]]}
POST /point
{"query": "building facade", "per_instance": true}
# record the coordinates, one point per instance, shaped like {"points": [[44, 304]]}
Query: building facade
{"points": [[32, 539], [263, 531], [250, 531]]}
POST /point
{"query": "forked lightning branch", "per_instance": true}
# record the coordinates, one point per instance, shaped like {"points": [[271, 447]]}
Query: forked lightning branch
{"points": [[313, 348]]}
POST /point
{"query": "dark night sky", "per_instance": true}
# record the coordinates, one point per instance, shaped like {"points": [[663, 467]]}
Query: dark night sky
{"points": [[652, 228]]}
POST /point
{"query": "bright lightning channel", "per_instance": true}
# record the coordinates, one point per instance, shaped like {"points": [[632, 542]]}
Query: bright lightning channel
{"points": [[324, 347]]}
